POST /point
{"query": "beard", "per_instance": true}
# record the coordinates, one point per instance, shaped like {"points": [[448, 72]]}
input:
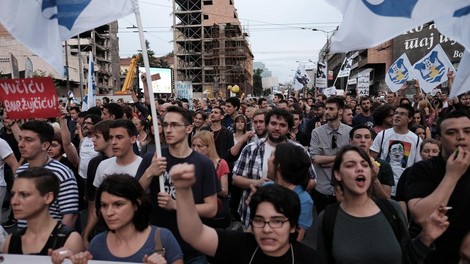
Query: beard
{"points": [[331, 117], [280, 139]]}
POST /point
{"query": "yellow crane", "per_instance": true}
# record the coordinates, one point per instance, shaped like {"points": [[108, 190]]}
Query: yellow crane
{"points": [[126, 88]]}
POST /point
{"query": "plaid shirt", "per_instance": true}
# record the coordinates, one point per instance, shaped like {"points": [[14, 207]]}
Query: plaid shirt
{"points": [[250, 166]]}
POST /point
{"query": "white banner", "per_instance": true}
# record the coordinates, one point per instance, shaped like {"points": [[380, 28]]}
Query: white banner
{"points": [[345, 68], [321, 80], [301, 78], [330, 91], [363, 84], [184, 90]]}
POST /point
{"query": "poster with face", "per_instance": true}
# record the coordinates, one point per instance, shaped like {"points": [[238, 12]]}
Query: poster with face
{"points": [[398, 153]]}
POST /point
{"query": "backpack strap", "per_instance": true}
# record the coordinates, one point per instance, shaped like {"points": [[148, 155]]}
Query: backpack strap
{"points": [[329, 219], [158, 243], [59, 236], [381, 143]]}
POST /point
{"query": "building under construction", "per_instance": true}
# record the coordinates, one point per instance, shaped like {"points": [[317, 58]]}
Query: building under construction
{"points": [[211, 48]]}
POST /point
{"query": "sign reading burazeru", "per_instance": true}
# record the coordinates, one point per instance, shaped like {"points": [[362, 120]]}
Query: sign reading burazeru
{"points": [[29, 98]]}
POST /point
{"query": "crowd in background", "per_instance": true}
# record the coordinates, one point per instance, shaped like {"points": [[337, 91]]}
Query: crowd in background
{"points": [[246, 180]]}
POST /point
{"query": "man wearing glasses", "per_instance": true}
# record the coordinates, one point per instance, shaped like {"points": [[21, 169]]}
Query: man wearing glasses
{"points": [[325, 142], [398, 145], [177, 125]]}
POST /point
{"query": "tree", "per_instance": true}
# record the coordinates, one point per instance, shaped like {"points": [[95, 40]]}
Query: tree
{"points": [[257, 82], [154, 62]]}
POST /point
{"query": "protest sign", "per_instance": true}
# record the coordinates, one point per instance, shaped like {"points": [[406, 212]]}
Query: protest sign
{"points": [[29, 98]]}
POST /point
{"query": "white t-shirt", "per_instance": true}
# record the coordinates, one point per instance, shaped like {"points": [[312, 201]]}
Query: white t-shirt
{"points": [[400, 150], [268, 149], [87, 152], [109, 166], [5, 151]]}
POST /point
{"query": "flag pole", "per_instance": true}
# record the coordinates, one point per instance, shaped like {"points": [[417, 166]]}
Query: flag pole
{"points": [[153, 111]]}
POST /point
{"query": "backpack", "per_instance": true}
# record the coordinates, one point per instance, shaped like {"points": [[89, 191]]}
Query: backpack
{"points": [[329, 219]]}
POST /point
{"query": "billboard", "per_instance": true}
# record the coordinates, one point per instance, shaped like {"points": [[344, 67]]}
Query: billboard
{"points": [[417, 42], [164, 84]]}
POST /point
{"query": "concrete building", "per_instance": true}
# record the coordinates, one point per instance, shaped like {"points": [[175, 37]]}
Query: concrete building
{"points": [[211, 47]]}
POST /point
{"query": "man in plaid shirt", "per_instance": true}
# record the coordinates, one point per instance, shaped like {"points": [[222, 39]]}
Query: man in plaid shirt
{"points": [[252, 166]]}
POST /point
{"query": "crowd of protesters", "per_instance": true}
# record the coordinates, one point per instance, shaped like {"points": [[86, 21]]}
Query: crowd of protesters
{"points": [[384, 179]]}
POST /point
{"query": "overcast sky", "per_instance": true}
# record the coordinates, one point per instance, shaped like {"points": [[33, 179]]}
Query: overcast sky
{"points": [[274, 27]]}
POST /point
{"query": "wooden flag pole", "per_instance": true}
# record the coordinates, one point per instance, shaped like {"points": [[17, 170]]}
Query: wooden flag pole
{"points": [[153, 111]]}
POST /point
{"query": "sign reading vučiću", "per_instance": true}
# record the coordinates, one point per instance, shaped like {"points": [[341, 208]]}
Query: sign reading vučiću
{"points": [[29, 98]]}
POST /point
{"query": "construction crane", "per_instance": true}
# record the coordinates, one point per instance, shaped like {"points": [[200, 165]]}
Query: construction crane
{"points": [[126, 88]]}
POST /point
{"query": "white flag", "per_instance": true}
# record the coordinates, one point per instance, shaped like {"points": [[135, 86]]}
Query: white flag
{"points": [[457, 26], [400, 71], [345, 68], [462, 77], [301, 78], [368, 23], [432, 69], [90, 99], [42, 25]]}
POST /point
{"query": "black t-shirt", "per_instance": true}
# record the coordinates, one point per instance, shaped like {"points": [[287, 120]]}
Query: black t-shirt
{"points": [[205, 186], [423, 179], [91, 173], [239, 247]]}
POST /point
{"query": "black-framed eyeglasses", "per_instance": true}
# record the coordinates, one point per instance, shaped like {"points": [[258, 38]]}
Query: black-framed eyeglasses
{"points": [[273, 223], [333, 141]]}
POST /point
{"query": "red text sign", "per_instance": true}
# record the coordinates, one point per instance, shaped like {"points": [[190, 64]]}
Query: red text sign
{"points": [[29, 98]]}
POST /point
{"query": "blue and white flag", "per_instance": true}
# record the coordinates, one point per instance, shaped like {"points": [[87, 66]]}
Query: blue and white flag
{"points": [[369, 23], [457, 26], [89, 100], [400, 71], [432, 69], [42, 25], [462, 77]]}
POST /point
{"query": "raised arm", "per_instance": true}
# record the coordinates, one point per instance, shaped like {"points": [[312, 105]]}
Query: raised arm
{"points": [[198, 235], [69, 148]]}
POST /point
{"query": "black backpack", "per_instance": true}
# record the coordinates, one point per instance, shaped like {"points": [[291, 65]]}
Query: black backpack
{"points": [[329, 219]]}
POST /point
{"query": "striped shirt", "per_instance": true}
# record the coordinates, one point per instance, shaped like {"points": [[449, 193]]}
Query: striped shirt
{"points": [[67, 200]]}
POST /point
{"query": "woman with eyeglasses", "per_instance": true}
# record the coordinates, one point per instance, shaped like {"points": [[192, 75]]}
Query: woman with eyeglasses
{"points": [[274, 226]]}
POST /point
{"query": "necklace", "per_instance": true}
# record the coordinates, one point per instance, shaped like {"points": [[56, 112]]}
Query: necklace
{"points": [[256, 250]]}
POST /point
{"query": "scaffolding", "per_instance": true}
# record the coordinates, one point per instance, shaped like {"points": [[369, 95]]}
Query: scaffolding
{"points": [[211, 56]]}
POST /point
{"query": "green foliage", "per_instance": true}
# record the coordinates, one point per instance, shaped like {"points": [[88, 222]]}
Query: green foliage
{"points": [[153, 61], [257, 82]]}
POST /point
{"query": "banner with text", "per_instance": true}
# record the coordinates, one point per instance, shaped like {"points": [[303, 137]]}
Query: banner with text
{"points": [[184, 90], [363, 84], [29, 98]]}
